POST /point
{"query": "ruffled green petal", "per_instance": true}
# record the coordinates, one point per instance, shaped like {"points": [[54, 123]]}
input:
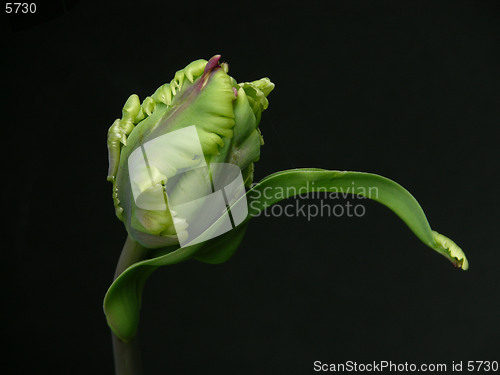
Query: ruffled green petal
{"points": [[257, 92], [245, 148]]}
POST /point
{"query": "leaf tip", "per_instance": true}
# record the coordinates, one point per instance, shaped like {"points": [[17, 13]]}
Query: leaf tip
{"points": [[450, 250]]}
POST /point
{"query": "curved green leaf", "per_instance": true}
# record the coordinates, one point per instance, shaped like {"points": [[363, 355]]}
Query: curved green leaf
{"points": [[388, 192], [123, 299], [122, 302]]}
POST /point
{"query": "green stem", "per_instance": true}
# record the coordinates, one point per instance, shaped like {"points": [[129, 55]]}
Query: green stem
{"points": [[127, 354]]}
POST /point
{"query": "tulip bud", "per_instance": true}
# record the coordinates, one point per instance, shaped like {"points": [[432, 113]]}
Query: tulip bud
{"points": [[179, 159]]}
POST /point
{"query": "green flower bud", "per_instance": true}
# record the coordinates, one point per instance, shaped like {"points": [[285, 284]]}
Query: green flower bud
{"points": [[175, 148]]}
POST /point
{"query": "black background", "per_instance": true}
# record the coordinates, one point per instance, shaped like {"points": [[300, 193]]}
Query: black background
{"points": [[408, 90]]}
